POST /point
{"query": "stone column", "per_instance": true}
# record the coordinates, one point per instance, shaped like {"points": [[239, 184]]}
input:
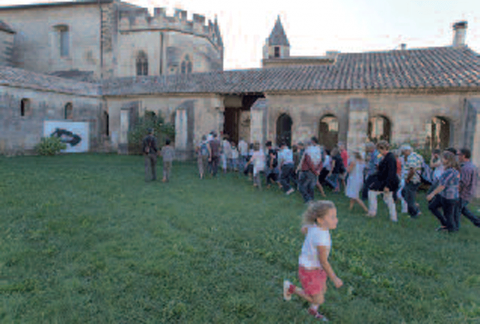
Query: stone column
{"points": [[123, 135], [357, 124], [181, 130], [258, 122], [472, 133]]}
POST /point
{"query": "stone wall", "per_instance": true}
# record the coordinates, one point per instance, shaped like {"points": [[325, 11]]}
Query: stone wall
{"points": [[109, 13], [165, 51], [21, 133], [6, 48], [201, 114], [37, 46], [407, 113]]}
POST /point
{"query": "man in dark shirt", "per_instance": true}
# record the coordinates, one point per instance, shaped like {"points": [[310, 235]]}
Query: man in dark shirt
{"points": [[467, 187], [150, 151], [272, 171], [214, 153]]}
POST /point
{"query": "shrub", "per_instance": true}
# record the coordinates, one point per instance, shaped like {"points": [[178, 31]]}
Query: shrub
{"points": [[139, 131], [50, 146]]}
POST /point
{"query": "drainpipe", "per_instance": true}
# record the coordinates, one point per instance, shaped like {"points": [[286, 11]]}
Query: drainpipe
{"points": [[161, 53], [101, 40]]}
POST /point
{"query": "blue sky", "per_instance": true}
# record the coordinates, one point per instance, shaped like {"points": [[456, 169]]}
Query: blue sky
{"points": [[314, 27]]}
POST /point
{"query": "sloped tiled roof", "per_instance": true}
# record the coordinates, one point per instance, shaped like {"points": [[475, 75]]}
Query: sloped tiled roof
{"points": [[277, 36], [26, 79], [84, 76], [6, 28], [441, 67], [53, 4]]}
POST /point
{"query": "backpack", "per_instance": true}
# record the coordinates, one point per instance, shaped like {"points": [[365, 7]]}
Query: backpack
{"points": [[148, 141], [215, 147], [203, 149]]}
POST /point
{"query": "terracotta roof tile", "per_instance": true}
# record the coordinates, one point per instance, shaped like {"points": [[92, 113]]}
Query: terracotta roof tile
{"points": [[21, 78], [441, 67], [6, 28]]}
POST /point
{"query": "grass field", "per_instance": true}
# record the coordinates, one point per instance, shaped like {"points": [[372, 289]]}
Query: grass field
{"points": [[83, 239]]}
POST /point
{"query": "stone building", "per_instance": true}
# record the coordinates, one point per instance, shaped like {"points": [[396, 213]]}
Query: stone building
{"points": [[6, 44], [169, 65], [99, 39]]}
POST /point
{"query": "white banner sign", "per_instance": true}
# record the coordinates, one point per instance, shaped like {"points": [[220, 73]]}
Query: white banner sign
{"points": [[73, 134]]}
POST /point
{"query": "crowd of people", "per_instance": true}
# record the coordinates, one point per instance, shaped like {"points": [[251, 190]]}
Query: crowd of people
{"points": [[395, 175]]}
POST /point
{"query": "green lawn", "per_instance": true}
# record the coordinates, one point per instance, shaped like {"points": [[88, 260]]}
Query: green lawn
{"points": [[83, 239]]}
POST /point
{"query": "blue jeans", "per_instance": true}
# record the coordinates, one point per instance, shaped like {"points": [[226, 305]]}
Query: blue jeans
{"points": [[333, 180], [287, 175], [462, 209], [232, 164], [214, 165], [307, 181], [447, 219], [409, 193], [271, 175], [241, 162]]}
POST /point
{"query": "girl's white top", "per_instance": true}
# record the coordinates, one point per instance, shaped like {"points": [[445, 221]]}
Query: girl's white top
{"points": [[327, 164], [316, 236], [258, 161], [234, 153]]}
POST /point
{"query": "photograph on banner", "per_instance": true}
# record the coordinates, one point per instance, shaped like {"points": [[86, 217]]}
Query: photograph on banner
{"points": [[73, 134]]}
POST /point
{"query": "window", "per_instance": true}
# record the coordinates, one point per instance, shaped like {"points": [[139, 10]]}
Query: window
{"points": [[63, 40], [277, 51], [379, 129], [328, 131], [106, 123], [68, 111], [142, 63], [186, 66], [24, 107]]}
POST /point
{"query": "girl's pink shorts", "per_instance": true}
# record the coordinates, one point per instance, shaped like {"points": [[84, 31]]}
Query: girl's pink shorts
{"points": [[313, 281]]}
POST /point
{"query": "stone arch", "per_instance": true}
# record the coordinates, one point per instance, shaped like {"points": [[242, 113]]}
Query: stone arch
{"points": [[379, 128], [68, 111], [142, 63], [439, 132], [186, 65], [63, 43], [328, 131], [284, 129]]}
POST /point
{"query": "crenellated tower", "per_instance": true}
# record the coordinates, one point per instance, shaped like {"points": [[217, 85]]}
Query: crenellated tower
{"points": [[174, 43]]}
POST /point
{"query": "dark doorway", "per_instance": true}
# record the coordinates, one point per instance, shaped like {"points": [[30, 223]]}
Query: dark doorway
{"points": [[230, 124], [328, 131], [440, 133], [233, 124], [284, 130], [379, 129]]}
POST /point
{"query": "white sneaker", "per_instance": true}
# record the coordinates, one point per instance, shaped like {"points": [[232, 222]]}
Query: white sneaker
{"points": [[286, 286], [289, 192]]}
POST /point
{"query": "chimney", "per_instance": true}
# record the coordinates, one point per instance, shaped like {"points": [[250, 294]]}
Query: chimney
{"points": [[459, 33], [403, 46], [332, 54]]}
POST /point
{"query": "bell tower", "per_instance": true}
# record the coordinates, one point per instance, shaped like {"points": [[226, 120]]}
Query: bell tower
{"points": [[276, 45]]}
